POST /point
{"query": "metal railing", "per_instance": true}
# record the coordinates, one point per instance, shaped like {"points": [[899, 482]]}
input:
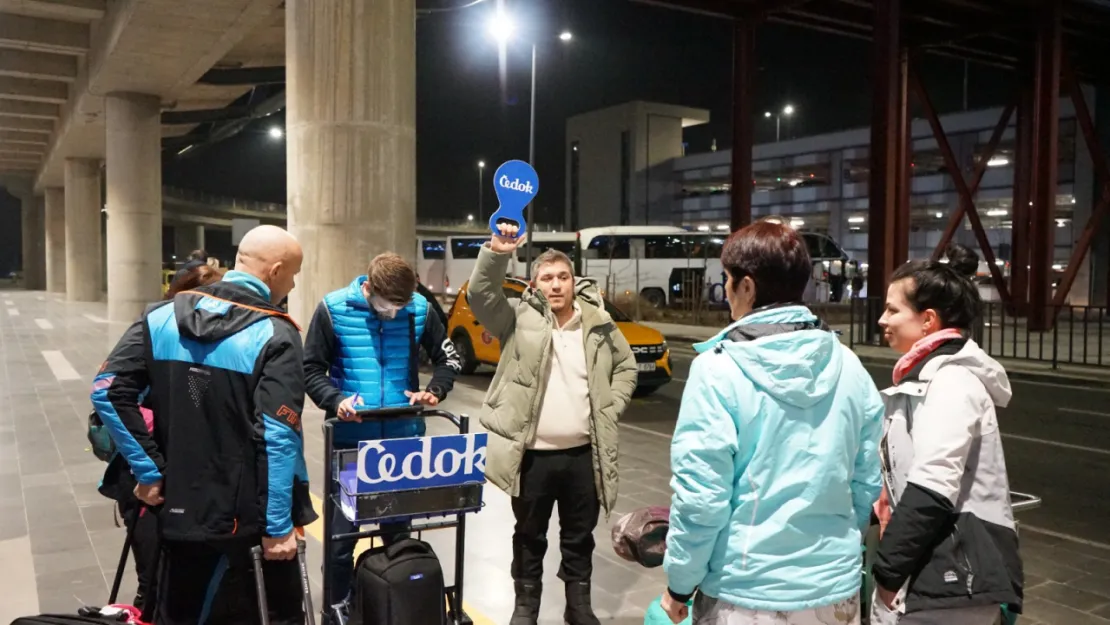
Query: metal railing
{"points": [[1080, 336]]}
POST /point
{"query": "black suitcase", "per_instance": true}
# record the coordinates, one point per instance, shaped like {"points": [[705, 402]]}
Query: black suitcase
{"points": [[401, 584]]}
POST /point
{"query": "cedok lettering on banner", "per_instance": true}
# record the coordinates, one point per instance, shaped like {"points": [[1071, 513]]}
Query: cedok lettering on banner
{"points": [[425, 462]]}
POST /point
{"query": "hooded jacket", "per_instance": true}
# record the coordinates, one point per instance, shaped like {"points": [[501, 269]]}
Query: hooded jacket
{"points": [[350, 349], [512, 405], [226, 384], [774, 466], [951, 541]]}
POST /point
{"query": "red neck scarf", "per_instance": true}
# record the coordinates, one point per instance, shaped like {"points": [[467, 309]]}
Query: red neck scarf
{"points": [[922, 348]]}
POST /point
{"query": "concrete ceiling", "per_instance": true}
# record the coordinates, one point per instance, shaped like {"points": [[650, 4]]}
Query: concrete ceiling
{"points": [[58, 58]]}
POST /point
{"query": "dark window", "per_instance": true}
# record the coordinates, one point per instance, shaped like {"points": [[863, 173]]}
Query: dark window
{"points": [[435, 250], [610, 247], [626, 174], [574, 186], [466, 248], [671, 246]]}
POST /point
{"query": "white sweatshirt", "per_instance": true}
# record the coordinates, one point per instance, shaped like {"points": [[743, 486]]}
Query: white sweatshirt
{"points": [[565, 412]]}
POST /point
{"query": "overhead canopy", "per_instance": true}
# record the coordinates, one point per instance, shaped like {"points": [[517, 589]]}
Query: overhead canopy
{"points": [[994, 32]]}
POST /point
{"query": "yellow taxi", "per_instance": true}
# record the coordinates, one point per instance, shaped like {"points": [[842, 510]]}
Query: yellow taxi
{"points": [[476, 346]]}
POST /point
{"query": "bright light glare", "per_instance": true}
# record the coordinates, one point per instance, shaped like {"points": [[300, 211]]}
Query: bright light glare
{"points": [[997, 212], [940, 215], [703, 228], [856, 220], [767, 114], [565, 36], [276, 132], [501, 27], [481, 164], [797, 223], [788, 110], [470, 217], [998, 161], [722, 226]]}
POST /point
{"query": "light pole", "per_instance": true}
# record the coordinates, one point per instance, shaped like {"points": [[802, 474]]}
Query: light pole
{"points": [[481, 178], [502, 28], [787, 111]]}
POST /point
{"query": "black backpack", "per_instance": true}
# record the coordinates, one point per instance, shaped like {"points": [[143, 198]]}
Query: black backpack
{"points": [[401, 584]]}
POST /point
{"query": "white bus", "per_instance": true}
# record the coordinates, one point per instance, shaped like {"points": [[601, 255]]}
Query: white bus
{"points": [[666, 264], [462, 252], [565, 242], [431, 262]]}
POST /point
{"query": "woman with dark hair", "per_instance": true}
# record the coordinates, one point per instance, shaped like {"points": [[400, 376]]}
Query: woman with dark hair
{"points": [[775, 455], [119, 484], [963, 259], [191, 278], [949, 550]]}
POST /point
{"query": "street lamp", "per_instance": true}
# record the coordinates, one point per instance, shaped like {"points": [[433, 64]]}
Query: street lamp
{"points": [[787, 111], [502, 28], [276, 132], [481, 172]]}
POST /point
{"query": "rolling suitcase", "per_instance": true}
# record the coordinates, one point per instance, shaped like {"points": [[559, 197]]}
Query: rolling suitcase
{"points": [[397, 585]]}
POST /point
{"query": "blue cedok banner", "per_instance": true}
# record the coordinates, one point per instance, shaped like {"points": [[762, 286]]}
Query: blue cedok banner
{"points": [[412, 463], [516, 184]]}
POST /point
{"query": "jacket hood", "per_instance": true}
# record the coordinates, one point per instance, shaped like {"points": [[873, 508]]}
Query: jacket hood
{"points": [[354, 293], [215, 312], [974, 359], [785, 351]]}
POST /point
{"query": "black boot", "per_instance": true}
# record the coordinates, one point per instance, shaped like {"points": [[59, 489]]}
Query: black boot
{"points": [[527, 608], [579, 611]]}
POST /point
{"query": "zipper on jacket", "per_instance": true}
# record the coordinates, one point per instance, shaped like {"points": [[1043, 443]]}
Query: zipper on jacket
{"points": [[594, 442], [381, 367]]}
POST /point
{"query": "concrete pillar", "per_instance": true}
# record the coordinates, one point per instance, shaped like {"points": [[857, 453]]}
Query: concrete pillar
{"points": [[84, 281], [56, 240], [34, 261], [133, 155], [351, 138], [186, 238]]}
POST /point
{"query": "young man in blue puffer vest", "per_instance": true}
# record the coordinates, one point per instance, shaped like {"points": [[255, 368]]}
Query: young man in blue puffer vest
{"points": [[361, 353]]}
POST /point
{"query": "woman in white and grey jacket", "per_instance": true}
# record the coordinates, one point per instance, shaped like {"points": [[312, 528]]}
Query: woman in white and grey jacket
{"points": [[949, 549]]}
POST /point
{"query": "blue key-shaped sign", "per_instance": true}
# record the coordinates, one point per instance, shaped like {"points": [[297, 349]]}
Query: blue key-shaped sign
{"points": [[426, 462], [516, 184]]}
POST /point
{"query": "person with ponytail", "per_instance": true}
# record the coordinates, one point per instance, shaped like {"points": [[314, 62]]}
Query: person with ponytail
{"points": [[949, 549]]}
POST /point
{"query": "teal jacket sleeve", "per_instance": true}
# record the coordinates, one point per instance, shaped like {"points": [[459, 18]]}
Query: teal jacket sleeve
{"points": [[702, 467], [866, 475]]}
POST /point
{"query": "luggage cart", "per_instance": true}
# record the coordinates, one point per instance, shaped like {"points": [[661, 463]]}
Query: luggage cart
{"points": [[1018, 503], [398, 505]]}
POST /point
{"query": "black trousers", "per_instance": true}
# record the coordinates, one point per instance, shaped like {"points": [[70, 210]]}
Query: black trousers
{"points": [[547, 478], [203, 584]]}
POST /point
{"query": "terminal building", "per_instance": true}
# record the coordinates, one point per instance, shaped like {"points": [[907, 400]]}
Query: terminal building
{"points": [[628, 165]]}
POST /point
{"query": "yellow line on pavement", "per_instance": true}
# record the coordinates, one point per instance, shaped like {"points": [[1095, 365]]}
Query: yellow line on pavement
{"points": [[316, 530]]}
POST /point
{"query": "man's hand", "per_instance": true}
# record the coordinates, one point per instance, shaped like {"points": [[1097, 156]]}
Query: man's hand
{"points": [[422, 397], [283, 548], [150, 494], [347, 411], [887, 596], [507, 241], [675, 610]]}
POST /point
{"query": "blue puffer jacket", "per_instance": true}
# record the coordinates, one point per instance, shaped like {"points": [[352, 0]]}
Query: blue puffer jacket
{"points": [[775, 466], [376, 358]]}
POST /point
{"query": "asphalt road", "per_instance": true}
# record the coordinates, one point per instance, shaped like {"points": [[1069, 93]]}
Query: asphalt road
{"points": [[1057, 442]]}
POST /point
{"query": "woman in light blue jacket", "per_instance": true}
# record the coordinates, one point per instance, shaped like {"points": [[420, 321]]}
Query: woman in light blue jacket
{"points": [[775, 455]]}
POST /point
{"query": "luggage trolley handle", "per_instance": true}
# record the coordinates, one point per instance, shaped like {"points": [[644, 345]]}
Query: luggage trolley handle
{"points": [[260, 584]]}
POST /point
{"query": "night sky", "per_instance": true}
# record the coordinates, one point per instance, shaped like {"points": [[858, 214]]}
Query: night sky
{"points": [[621, 51]]}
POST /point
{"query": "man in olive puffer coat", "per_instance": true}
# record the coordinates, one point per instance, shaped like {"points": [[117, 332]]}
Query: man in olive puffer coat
{"points": [[565, 376]]}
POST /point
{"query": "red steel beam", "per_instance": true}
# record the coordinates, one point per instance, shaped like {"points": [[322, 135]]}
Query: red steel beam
{"points": [[957, 216], [1023, 192], [883, 180], [1102, 169], [961, 185], [743, 123], [905, 160], [1042, 230]]}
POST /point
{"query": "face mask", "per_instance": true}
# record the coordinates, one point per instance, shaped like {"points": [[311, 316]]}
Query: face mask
{"points": [[387, 310]]}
